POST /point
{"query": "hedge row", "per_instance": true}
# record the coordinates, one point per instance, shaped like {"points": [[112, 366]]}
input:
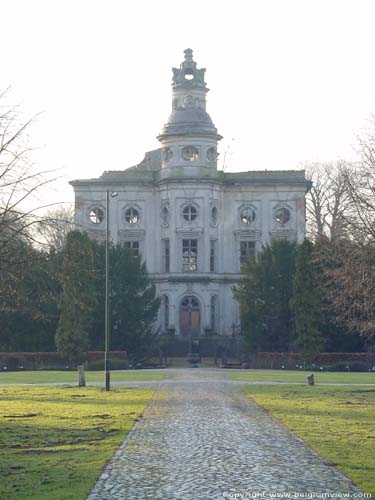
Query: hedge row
{"points": [[293, 360], [11, 361]]}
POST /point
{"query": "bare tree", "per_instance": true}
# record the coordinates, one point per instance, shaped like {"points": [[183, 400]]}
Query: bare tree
{"points": [[361, 186], [20, 181], [348, 283], [328, 203], [56, 225]]}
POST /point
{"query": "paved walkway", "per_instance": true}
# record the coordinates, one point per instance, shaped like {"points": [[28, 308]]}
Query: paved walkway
{"points": [[203, 439]]}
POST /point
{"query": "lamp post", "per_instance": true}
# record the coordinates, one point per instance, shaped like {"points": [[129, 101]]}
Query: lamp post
{"points": [[107, 300]]}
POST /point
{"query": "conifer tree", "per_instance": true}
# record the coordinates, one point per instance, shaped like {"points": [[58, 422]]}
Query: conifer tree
{"points": [[79, 300], [265, 294], [307, 304]]}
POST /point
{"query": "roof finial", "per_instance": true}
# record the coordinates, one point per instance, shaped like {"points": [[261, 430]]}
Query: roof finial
{"points": [[188, 55]]}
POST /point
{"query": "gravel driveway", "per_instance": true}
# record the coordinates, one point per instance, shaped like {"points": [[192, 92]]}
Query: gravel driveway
{"points": [[202, 439]]}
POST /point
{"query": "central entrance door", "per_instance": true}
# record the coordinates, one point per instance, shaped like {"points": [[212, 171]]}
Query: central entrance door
{"points": [[190, 316]]}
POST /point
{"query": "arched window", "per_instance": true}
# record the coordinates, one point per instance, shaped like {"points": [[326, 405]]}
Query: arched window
{"points": [[211, 154], [190, 316], [190, 153]]}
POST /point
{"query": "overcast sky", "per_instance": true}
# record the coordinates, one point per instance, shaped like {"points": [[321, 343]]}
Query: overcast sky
{"points": [[291, 80]]}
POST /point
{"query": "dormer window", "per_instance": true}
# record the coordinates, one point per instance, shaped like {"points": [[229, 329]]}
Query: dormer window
{"points": [[190, 153]]}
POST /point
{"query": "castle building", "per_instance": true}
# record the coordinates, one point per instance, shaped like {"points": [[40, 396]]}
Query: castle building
{"points": [[194, 225]]}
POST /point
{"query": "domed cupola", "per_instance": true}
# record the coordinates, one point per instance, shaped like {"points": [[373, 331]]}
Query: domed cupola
{"points": [[189, 138]]}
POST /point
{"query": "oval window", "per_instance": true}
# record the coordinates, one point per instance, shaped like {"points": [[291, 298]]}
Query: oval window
{"points": [[164, 214], [214, 215], [96, 215]]}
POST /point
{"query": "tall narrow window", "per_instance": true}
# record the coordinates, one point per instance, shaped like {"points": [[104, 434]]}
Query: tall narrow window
{"points": [[213, 313], [213, 256], [166, 312], [189, 255], [133, 246], [247, 252], [166, 255]]}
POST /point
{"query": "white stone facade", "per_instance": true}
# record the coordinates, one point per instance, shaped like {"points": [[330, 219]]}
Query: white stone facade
{"points": [[193, 224]]}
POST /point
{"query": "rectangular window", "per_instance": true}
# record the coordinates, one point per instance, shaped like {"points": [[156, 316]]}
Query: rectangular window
{"points": [[189, 255], [247, 252], [133, 246], [213, 256], [166, 256]]}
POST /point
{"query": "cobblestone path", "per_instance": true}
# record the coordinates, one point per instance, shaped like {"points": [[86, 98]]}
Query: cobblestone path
{"points": [[202, 439]]}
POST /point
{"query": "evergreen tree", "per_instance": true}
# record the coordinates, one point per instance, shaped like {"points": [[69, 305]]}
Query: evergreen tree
{"points": [[29, 300], [133, 304], [79, 300], [307, 304], [264, 295]]}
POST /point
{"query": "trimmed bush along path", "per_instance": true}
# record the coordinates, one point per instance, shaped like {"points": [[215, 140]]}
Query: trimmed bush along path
{"points": [[202, 438]]}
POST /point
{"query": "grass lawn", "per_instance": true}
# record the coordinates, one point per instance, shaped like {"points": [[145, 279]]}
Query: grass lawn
{"points": [[56, 440], [337, 422], [300, 376], [40, 377]]}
